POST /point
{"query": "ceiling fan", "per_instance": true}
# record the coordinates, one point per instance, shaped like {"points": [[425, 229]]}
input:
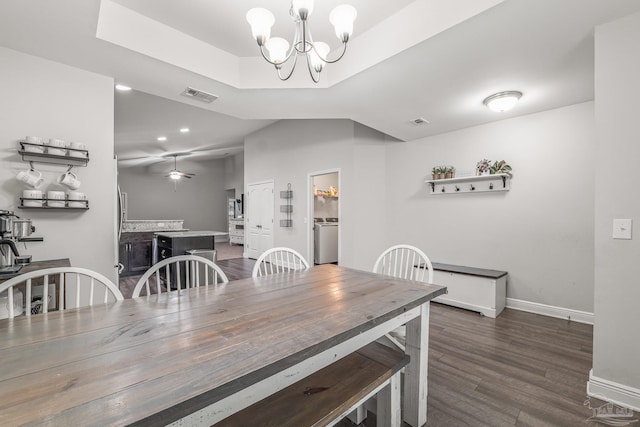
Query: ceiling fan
{"points": [[175, 173]]}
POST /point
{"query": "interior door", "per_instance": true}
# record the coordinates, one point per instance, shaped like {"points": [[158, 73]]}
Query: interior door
{"points": [[259, 221]]}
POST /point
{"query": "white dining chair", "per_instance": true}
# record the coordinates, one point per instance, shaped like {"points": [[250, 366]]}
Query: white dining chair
{"points": [[404, 262], [75, 287], [279, 260], [198, 271]]}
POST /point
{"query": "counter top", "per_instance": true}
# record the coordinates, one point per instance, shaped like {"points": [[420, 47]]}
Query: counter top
{"points": [[38, 265], [195, 233], [151, 225], [158, 230]]}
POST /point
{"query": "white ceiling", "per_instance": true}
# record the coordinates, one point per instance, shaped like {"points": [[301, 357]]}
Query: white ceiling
{"points": [[439, 63]]}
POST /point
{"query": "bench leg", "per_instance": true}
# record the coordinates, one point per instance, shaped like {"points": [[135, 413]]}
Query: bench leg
{"points": [[388, 404], [358, 415]]}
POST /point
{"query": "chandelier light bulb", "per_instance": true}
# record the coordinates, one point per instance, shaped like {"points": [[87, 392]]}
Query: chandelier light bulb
{"points": [[318, 55], [261, 21], [277, 48], [502, 101], [302, 8], [342, 18]]}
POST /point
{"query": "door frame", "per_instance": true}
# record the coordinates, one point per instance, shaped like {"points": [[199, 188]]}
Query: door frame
{"points": [[310, 201], [245, 251]]}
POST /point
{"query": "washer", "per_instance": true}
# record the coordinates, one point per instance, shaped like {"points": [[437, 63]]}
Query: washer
{"points": [[325, 234]]}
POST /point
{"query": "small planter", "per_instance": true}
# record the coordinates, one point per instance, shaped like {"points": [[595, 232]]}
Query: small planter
{"points": [[449, 175]]}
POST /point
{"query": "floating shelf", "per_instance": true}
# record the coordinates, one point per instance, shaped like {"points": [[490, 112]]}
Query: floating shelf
{"points": [[471, 184]]}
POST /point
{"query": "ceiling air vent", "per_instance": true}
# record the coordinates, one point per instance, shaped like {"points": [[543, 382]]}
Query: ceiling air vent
{"points": [[420, 121], [199, 95]]}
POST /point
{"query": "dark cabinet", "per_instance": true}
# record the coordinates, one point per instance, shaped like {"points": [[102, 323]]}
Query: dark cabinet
{"points": [[135, 252], [178, 244]]}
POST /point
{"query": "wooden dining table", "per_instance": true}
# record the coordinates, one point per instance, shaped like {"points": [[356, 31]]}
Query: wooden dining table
{"points": [[196, 356]]}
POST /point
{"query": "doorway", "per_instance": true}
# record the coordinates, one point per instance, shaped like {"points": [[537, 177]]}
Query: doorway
{"points": [[324, 214], [259, 218]]}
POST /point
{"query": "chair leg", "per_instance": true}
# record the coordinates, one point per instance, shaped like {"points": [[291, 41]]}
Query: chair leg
{"points": [[388, 404]]}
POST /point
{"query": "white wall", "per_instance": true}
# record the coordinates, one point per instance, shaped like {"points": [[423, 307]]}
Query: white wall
{"points": [[234, 174], [200, 201], [288, 151], [541, 231], [616, 348], [48, 99]]}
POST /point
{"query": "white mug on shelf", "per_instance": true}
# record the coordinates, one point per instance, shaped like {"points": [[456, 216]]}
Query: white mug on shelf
{"points": [[69, 180], [31, 177], [32, 194], [56, 199], [76, 199], [57, 147], [39, 148], [74, 147]]}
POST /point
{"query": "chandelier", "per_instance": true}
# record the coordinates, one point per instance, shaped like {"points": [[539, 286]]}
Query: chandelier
{"points": [[278, 50]]}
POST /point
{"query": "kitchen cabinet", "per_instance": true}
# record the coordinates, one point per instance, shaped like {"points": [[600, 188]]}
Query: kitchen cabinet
{"points": [[135, 252], [174, 243]]}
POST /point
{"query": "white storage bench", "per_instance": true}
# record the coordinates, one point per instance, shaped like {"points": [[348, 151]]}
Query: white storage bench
{"points": [[476, 289]]}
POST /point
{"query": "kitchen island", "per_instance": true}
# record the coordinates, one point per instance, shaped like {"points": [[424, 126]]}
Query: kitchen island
{"points": [[174, 243]]}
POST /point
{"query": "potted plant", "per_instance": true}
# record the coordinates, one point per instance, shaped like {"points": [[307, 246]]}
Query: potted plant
{"points": [[435, 172], [450, 172], [483, 167], [443, 171], [500, 167]]}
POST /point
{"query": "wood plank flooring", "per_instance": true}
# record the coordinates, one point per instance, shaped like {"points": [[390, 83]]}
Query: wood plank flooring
{"points": [[520, 369]]}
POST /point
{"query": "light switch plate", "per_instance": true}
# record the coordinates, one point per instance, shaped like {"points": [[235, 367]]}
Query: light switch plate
{"points": [[622, 229]]}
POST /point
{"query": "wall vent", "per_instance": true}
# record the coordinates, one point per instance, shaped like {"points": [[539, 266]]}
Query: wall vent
{"points": [[420, 121], [199, 95]]}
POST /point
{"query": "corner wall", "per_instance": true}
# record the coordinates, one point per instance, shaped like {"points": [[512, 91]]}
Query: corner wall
{"points": [[616, 348], [52, 100], [541, 231]]}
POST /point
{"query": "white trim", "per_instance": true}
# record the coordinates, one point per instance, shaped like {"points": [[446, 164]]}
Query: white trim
{"points": [[609, 391], [551, 311]]}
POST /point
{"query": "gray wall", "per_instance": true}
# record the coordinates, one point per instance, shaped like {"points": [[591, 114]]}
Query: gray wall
{"points": [[51, 100], [234, 174], [541, 231], [200, 201], [616, 350], [288, 151]]}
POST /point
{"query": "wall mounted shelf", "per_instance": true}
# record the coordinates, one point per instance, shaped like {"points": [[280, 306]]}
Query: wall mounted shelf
{"points": [[79, 157], [78, 204], [288, 208], [471, 184]]}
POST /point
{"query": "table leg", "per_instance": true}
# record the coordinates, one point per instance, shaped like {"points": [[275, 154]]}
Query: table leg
{"points": [[415, 377]]}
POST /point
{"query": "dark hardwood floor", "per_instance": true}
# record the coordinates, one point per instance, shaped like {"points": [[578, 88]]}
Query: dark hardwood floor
{"points": [[520, 369]]}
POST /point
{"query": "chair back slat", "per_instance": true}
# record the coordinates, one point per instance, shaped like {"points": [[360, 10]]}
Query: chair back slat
{"points": [[279, 260], [46, 276], [175, 266], [405, 262]]}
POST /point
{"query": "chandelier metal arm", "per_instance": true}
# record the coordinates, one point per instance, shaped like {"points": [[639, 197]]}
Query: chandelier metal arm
{"points": [[315, 79], [344, 50], [293, 67]]}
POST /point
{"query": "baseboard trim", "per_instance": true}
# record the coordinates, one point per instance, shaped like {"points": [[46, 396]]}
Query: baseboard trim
{"points": [[613, 392], [551, 311]]}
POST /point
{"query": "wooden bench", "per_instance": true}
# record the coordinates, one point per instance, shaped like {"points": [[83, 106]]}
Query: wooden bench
{"points": [[330, 394], [476, 289]]}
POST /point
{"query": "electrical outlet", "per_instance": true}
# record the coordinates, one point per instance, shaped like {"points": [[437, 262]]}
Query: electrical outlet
{"points": [[622, 229]]}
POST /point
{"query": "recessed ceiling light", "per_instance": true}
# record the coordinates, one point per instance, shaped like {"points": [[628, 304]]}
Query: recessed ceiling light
{"points": [[420, 121], [162, 138], [502, 101], [123, 88], [184, 130]]}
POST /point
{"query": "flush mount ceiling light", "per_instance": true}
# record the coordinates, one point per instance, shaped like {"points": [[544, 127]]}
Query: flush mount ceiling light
{"points": [[261, 21], [122, 88], [502, 101]]}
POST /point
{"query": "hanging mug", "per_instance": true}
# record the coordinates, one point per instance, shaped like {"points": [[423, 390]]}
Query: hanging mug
{"points": [[70, 180], [31, 177]]}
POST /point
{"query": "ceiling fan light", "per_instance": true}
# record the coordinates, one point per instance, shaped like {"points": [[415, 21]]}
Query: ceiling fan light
{"points": [[261, 21], [302, 8], [342, 18], [277, 48], [502, 101], [174, 175], [318, 55]]}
